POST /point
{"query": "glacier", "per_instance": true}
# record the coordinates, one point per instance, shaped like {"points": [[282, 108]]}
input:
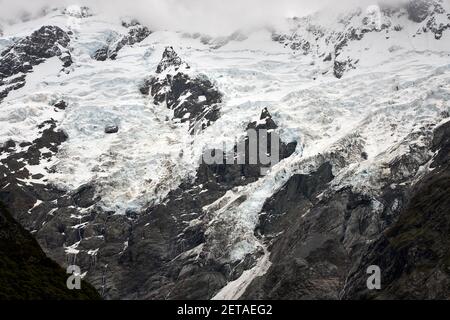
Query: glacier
{"points": [[360, 95]]}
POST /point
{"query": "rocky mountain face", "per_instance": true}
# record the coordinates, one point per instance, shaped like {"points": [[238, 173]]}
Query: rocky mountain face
{"points": [[104, 163], [19, 59], [186, 260], [192, 99], [136, 33], [144, 248], [337, 236], [334, 45], [26, 273], [414, 249]]}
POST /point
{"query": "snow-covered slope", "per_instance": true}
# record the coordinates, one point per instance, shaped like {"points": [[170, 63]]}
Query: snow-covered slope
{"points": [[362, 91]]}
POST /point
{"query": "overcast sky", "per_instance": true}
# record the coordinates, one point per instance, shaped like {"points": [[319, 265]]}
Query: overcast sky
{"points": [[216, 16]]}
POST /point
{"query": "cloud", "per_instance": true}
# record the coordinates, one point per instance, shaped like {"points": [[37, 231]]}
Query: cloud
{"points": [[209, 16], [218, 16]]}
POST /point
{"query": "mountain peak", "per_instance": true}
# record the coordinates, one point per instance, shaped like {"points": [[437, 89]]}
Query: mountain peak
{"points": [[170, 59]]}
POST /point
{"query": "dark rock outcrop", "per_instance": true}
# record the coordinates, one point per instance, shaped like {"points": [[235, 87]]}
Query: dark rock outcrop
{"points": [[193, 99], [26, 273], [9, 85], [60, 105], [30, 153], [20, 196], [111, 129], [313, 243], [136, 33], [170, 59], [414, 253], [19, 59], [237, 173], [101, 54], [418, 10], [299, 189], [295, 42], [340, 67], [322, 243]]}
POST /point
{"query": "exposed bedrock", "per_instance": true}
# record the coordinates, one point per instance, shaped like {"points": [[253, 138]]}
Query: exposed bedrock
{"points": [[170, 253], [413, 254], [154, 253], [26, 273], [321, 240], [136, 33], [27, 52], [334, 46], [192, 98]]}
